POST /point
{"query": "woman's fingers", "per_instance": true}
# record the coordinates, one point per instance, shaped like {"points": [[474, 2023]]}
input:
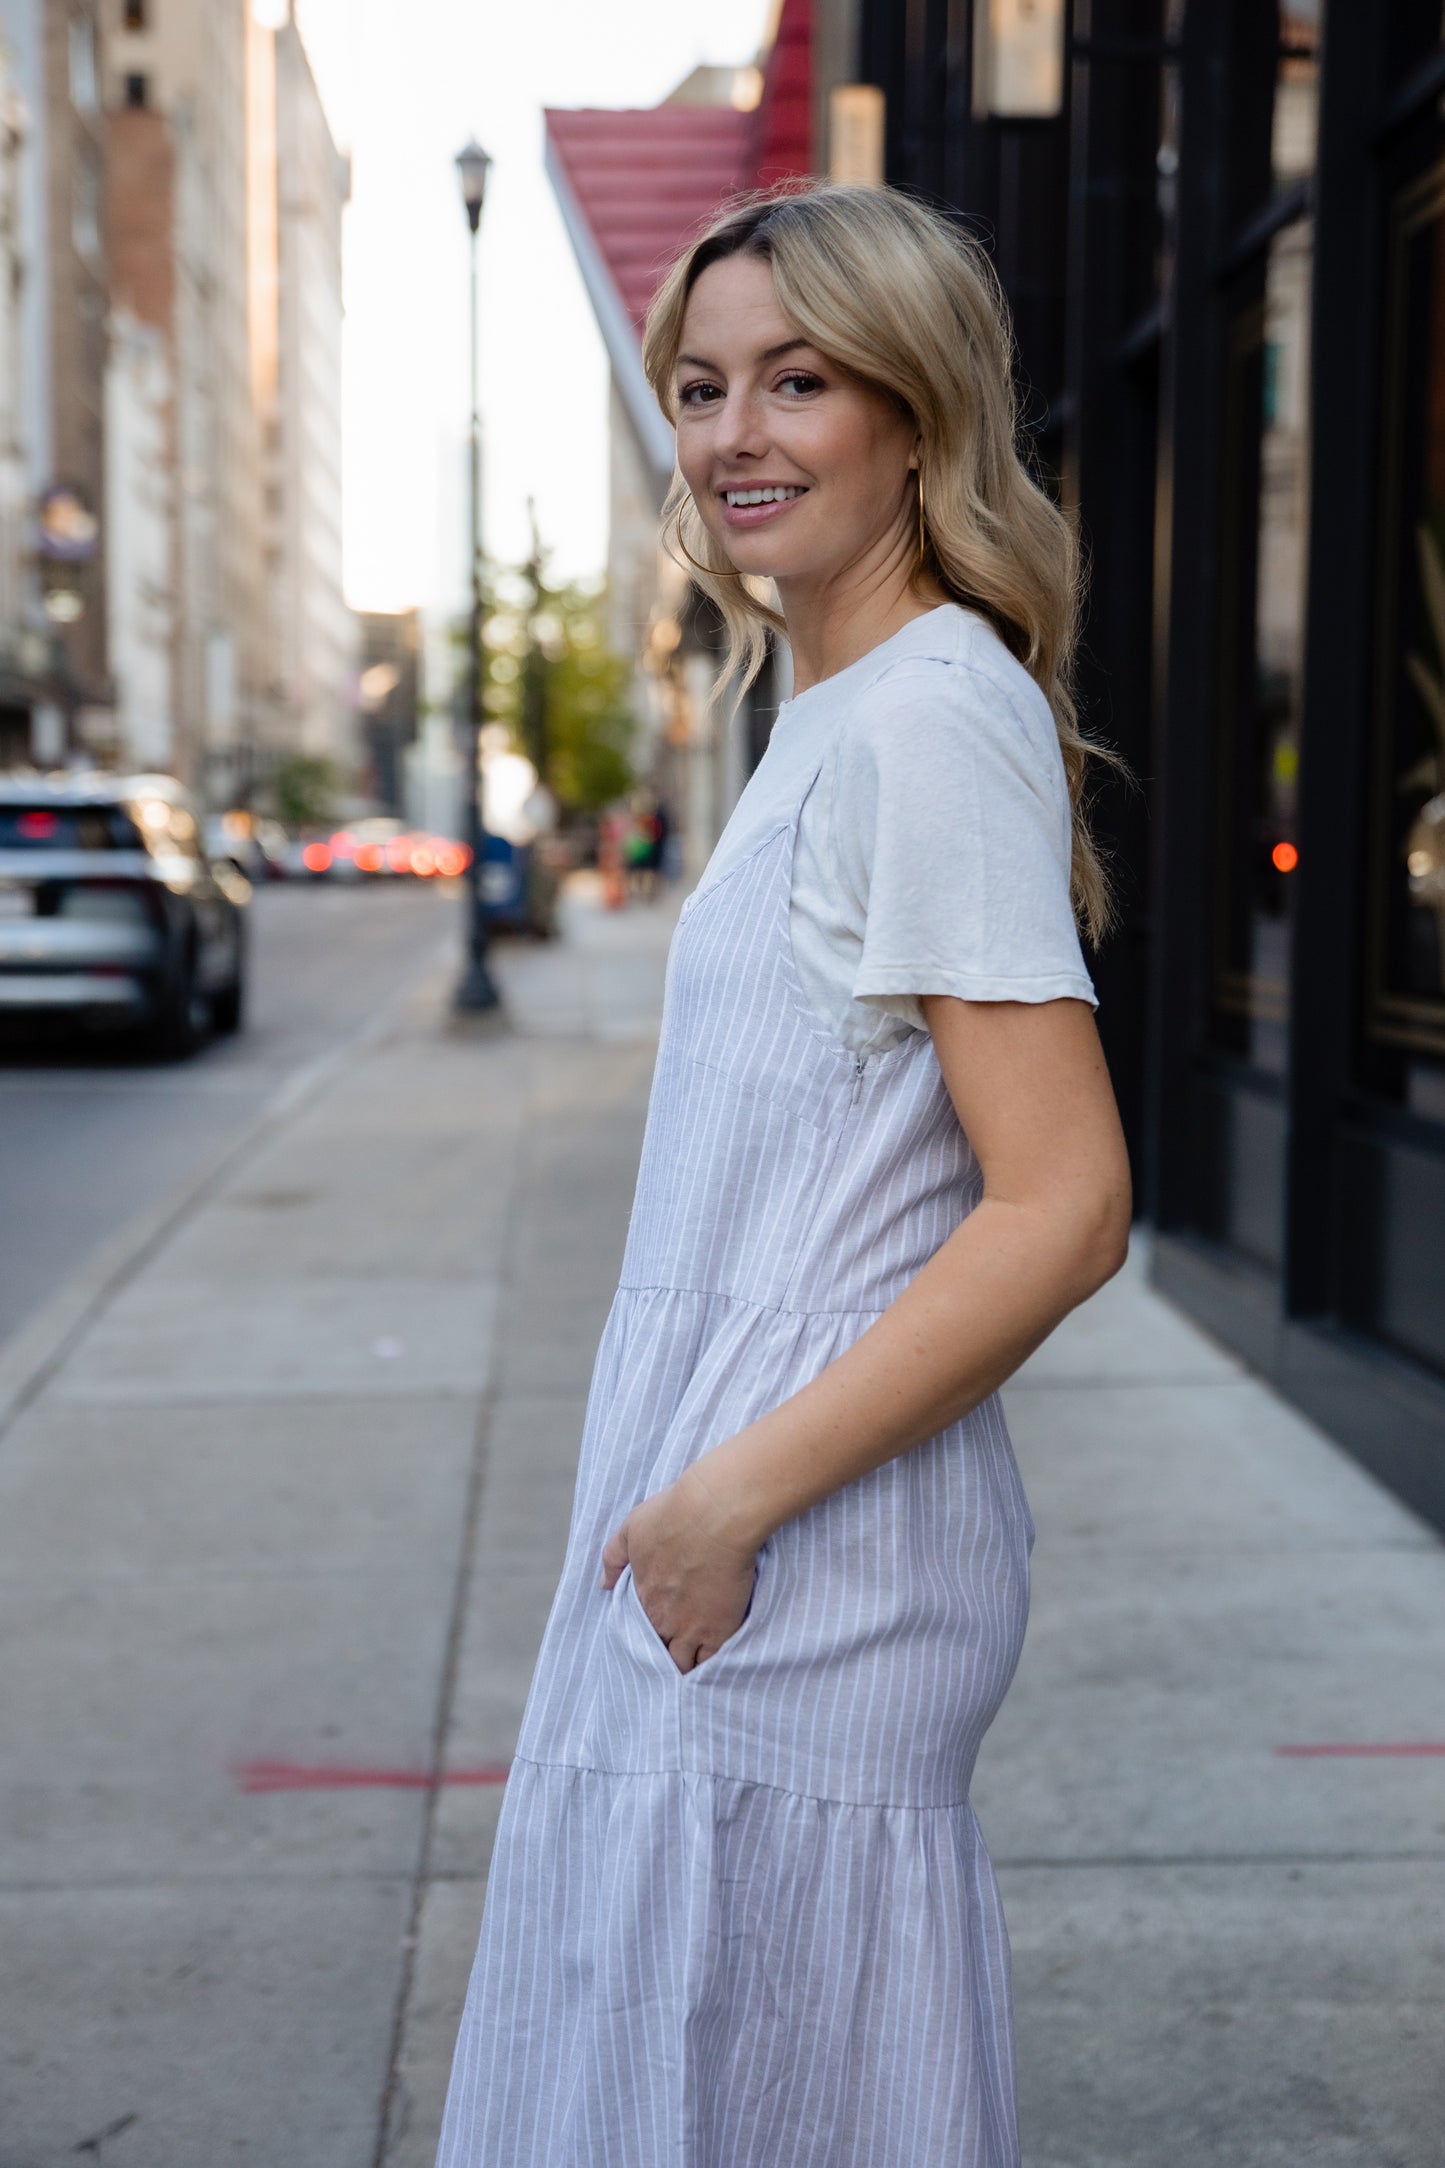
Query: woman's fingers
{"points": [[691, 1632], [614, 1557], [693, 1585]]}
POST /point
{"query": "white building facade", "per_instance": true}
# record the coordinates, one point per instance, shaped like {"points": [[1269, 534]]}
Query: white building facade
{"points": [[177, 85], [21, 644], [317, 635], [140, 562]]}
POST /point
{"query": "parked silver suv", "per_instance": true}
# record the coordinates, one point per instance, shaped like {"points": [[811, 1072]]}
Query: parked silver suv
{"points": [[112, 913]]}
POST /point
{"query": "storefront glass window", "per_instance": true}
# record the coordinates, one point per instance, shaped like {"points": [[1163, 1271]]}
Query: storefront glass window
{"points": [[1274, 107], [1416, 32], [1166, 156], [1265, 517], [1295, 122], [1405, 988]]}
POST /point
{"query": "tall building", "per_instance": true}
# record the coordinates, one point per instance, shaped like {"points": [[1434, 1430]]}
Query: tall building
{"points": [[390, 689], [309, 183], [22, 644], [177, 82], [226, 200], [140, 548], [58, 696]]}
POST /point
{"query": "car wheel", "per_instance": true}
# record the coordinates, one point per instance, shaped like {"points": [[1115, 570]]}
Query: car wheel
{"points": [[182, 1016], [228, 1007]]}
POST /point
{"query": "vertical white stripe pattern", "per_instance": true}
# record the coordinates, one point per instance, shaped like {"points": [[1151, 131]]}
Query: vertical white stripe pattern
{"points": [[743, 1917]]}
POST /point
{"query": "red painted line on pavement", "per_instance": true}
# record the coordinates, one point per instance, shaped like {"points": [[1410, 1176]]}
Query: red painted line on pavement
{"points": [[1415, 1750], [266, 1776]]}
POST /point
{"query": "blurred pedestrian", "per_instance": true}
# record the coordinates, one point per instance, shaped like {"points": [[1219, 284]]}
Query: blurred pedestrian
{"points": [[644, 847], [662, 839], [612, 857], [740, 1913]]}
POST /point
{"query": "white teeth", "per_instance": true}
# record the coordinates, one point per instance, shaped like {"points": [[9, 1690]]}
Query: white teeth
{"points": [[737, 497]]}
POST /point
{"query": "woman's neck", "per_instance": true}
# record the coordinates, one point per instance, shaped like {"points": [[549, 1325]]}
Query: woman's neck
{"points": [[831, 628]]}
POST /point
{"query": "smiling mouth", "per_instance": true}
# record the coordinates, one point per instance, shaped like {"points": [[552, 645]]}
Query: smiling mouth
{"points": [[739, 500]]}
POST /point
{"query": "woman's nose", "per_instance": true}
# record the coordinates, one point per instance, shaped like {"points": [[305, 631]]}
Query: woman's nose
{"points": [[741, 434]]}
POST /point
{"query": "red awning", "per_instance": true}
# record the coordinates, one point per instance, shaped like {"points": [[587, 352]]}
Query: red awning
{"points": [[645, 181], [635, 185]]}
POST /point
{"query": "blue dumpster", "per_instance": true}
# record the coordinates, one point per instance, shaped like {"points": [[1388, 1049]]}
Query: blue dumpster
{"points": [[504, 884]]}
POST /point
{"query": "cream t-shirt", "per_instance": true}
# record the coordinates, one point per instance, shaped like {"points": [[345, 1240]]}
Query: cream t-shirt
{"points": [[933, 849]]}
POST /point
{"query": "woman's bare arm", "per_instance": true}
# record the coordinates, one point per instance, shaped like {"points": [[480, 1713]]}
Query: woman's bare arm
{"points": [[1032, 1091]]}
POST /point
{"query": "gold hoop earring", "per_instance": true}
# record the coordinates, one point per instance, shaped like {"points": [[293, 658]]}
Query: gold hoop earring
{"points": [[725, 572], [922, 534]]}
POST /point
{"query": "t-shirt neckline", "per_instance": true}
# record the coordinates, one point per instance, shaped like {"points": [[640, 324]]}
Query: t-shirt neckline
{"points": [[836, 677]]}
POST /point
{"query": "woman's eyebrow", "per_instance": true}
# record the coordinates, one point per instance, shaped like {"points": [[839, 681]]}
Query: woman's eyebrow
{"points": [[771, 353]]}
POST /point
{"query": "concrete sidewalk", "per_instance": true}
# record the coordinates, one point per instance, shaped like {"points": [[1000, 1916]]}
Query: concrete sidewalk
{"points": [[277, 1540]]}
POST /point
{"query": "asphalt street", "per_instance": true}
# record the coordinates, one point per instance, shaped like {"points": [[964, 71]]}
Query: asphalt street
{"points": [[90, 1135]]}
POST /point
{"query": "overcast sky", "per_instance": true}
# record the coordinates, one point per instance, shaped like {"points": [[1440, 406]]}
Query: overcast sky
{"points": [[406, 82]]}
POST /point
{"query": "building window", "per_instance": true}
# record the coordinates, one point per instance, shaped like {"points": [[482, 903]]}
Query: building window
{"points": [[1273, 64], [137, 92], [1264, 516], [1264, 529], [1415, 34], [1405, 975], [1294, 121], [84, 72], [134, 15]]}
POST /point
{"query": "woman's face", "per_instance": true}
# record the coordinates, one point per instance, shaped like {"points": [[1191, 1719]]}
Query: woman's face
{"points": [[762, 413]]}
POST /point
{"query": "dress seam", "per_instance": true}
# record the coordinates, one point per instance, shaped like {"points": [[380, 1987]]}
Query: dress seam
{"points": [[744, 1302], [756, 1784]]}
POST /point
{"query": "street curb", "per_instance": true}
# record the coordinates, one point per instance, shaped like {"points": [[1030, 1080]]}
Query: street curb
{"points": [[32, 1356]]}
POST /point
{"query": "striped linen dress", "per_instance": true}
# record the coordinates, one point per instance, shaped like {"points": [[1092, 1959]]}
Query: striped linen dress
{"points": [[743, 1917]]}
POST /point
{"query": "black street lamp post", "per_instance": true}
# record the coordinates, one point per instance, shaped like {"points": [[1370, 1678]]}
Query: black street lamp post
{"points": [[477, 988]]}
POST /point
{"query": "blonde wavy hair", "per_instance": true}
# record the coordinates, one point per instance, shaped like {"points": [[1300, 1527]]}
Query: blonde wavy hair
{"points": [[898, 297]]}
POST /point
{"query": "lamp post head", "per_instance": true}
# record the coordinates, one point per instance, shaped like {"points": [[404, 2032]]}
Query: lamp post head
{"points": [[473, 166]]}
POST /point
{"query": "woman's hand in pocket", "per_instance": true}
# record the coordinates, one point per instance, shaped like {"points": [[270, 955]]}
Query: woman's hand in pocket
{"points": [[693, 1573]]}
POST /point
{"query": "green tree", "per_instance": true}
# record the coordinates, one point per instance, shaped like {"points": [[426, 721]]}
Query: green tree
{"points": [[305, 787], [553, 681]]}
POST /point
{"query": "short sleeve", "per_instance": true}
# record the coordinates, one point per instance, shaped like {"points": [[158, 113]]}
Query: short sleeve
{"points": [[952, 827]]}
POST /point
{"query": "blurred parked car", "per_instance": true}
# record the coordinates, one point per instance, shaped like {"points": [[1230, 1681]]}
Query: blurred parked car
{"points": [[255, 845], [111, 912]]}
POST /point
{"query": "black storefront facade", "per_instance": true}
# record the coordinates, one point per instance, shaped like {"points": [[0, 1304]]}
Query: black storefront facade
{"points": [[1226, 259]]}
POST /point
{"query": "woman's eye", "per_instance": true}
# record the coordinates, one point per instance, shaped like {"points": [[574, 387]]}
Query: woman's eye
{"points": [[700, 394], [800, 382]]}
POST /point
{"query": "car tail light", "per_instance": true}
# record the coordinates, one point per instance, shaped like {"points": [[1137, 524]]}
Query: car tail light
{"points": [[368, 858], [316, 857], [423, 860], [343, 844], [398, 855], [38, 827]]}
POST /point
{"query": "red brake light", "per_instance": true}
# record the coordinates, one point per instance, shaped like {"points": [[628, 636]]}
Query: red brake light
{"points": [[316, 857], [38, 827]]}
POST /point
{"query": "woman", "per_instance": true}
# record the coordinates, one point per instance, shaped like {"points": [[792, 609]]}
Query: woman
{"points": [[740, 1913]]}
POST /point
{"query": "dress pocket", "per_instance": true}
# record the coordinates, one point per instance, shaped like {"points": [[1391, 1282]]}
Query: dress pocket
{"points": [[643, 1637]]}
